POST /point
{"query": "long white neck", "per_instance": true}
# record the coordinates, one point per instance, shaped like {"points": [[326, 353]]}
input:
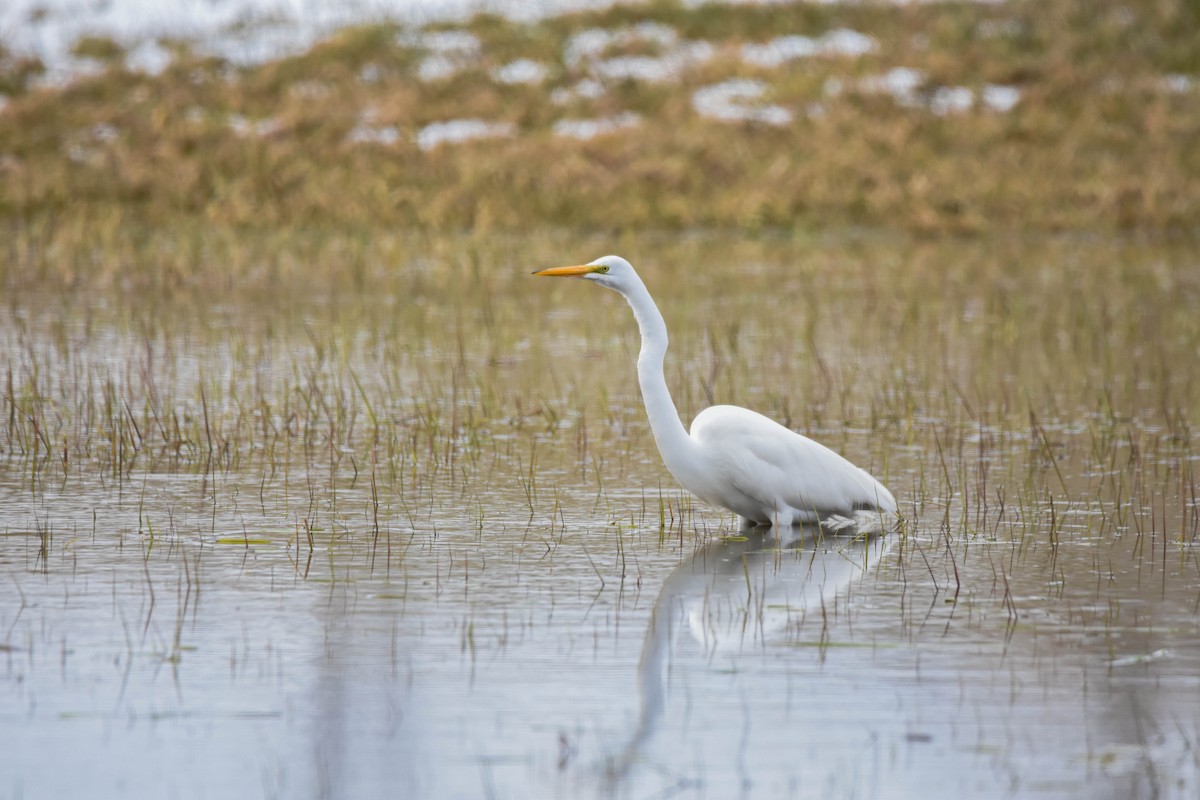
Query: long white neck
{"points": [[669, 434]]}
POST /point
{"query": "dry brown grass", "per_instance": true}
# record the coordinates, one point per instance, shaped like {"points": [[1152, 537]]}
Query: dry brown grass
{"points": [[1098, 140]]}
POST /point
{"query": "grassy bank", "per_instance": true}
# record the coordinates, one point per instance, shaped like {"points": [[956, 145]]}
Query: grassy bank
{"points": [[1100, 134]]}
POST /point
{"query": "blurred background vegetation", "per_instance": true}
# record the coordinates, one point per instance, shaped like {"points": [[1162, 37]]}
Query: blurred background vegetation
{"points": [[1096, 131]]}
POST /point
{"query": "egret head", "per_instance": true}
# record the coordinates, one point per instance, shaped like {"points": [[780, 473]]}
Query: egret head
{"points": [[612, 272]]}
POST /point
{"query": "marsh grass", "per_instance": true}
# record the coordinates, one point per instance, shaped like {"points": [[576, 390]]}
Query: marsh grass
{"points": [[393, 387]]}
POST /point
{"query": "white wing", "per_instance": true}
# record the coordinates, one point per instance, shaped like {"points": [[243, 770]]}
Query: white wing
{"points": [[761, 470]]}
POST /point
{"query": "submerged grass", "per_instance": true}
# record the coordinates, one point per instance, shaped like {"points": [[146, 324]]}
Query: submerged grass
{"points": [[440, 378]]}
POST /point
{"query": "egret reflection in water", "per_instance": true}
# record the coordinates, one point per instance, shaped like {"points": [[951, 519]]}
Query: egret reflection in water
{"points": [[739, 597]]}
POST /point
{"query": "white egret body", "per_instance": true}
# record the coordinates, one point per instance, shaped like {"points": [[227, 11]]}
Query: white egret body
{"points": [[734, 458]]}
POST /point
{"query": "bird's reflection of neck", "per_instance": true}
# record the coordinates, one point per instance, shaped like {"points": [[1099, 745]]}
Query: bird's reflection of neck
{"points": [[799, 549]]}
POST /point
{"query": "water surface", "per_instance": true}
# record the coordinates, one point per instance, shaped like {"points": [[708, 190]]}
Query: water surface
{"points": [[412, 538]]}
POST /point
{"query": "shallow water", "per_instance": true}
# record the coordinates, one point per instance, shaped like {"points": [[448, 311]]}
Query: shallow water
{"points": [[415, 541]]}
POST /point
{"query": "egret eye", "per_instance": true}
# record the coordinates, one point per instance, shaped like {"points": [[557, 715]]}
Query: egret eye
{"points": [[604, 269]]}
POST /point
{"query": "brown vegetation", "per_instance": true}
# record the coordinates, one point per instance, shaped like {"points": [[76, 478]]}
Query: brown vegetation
{"points": [[1103, 136]]}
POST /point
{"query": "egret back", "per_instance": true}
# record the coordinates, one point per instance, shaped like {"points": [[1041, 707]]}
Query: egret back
{"points": [[759, 466]]}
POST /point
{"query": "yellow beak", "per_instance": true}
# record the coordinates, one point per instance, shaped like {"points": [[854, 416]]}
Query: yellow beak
{"points": [[568, 272]]}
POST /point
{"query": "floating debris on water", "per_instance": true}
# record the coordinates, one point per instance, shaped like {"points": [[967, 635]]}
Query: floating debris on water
{"points": [[1143, 658]]}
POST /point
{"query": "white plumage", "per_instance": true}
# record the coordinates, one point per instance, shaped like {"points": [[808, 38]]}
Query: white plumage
{"points": [[734, 457], [777, 475]]}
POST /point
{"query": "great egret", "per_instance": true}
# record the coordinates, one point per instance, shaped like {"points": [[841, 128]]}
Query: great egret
{"points": [[734, 458]]}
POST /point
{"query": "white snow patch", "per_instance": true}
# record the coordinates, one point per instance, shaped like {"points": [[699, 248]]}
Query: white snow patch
{"points": [[846, 42], [905, 87], [245, 31], [82, 155], [438, 67], [67, 70], [1178, 83], [245, 127], [587, 49], [258, 43], [370, 73], [148, 57], [446, 42], [901, 83], [1000, 98], [309, 90], [447, 52], [591, 44], [998, 29], [104, 132], [591, 128], [365, 133], [696, 3], [779, 51], [951, 100], [733, 101], [587, 89], [523, 70], [655, 69], [461, 130]]}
